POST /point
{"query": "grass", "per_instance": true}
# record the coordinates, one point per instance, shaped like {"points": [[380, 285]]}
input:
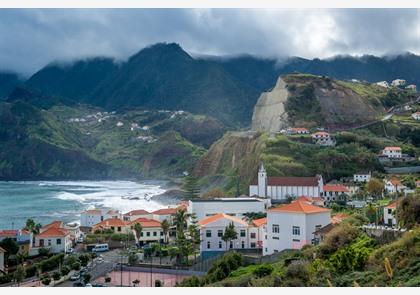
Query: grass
{"points": [[370, 91]]}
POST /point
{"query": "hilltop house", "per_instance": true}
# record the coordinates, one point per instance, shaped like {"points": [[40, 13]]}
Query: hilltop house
{"points": [[280, 188], [383, 84], [416, 115], [392, 152], [116, 225], [322, 138], [394, 185], [398, 82], [237, 207], [91, 217], [135, 214], [291, 226], [333, 192], [212, 229], [362, 177], [411, 87]]}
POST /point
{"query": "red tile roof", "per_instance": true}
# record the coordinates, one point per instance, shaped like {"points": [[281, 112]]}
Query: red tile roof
{"points": [[290, 181], [146, 222], [259, 222], [304, 199], [392, 205], [166, 211], [54, 224], [392, 148], [299, 207], [8, 232], [53, 232], [219, 216], [335, 188], [137, 212], [395, 182], [110, 222]]}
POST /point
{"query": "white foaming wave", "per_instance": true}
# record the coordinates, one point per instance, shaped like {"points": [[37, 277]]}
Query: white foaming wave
{"points": [[66, 196]]}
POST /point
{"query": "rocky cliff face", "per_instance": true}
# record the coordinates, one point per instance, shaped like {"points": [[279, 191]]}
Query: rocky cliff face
{"points": [[269, 113]]}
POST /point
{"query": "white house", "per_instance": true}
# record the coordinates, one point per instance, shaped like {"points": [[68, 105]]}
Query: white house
{"points": [[411, 87], [383, 84], [135, 214], [362, 177], [291, 226], [398, 82], [322, 138], [333, 192], [151, 231], [213, 227], [394, 185], [165, 213], [116, 225], [231, 206], [89, 218], [416, 115], [2, 251], [392, 152], [389, 214], [297, 130], [279, 188], [22, 237], [56, 239]]}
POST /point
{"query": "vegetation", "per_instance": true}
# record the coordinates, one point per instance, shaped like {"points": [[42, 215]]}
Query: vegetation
{"points": [[229, 234]]}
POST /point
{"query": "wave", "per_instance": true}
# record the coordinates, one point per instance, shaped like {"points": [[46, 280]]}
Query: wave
{"points": [[70, 197]]}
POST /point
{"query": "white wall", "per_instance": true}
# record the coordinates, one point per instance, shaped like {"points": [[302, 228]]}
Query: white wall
{"points": [[361, 177], [51, 243], [389, 216], [90, 220], [234, 208], [1, 261], [253, 190], [281, 192]]}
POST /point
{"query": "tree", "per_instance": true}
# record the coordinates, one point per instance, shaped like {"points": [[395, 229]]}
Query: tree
{"points": [[56, 276], [375, 187], [408, 211], [165, 229], [229, 234], [132, 258], [84, 259], [138, 229], [19, 274], [21, 257], [190, 188], [180, 220], [10, 246], [136, 282], [194, 233], [46, 281], [86, 278], [32, 226]]}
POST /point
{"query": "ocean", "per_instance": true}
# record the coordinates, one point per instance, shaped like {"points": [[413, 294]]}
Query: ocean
{"points": [[46, 201]]}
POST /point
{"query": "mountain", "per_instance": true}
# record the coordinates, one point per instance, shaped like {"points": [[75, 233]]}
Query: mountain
{"points": [[162, 76], [8, 81], [84, 142]]}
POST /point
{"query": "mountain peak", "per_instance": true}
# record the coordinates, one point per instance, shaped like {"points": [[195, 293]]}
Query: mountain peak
{"points": [[161, 50]]}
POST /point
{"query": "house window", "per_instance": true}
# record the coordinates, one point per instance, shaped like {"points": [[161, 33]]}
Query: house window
{"points": [[154, 234], [220, 245], [148, 234], [208, 245], [253, 245], [243, 244], [231, 245], [276, 228], [317, 227], [252, 235], [161, 233], [208, 233], [389, 211], [296, 231], [141, 234], [113, 228], [275, 238], [49, 242], [58, 241], [119, 228], [243, 233], [266, 250], [296, 240], [220, 233]]}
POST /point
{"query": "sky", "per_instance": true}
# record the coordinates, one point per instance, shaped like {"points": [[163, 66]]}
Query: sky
{"points": [[32, 38]]}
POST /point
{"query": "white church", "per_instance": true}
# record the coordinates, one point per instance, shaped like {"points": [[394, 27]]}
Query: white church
{"points": [[279, 188]]}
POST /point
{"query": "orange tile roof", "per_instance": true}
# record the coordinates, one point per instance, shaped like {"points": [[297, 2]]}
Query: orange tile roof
{"points": [[146, 222], [219, 216], [93, 212], [54, 224], [299, 207], [393, 205], [110, 222], [53, 232], [259, 222], [304, 199], [395, 182], [8, 232], [335, 188], [392, 148], [137, 212], [166, 211]]}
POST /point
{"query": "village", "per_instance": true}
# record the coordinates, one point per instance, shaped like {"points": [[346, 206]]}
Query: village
{"points": [[278, 214]]}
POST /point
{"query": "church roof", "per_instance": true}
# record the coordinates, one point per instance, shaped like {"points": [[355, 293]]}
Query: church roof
{"points": [[290, 181]]}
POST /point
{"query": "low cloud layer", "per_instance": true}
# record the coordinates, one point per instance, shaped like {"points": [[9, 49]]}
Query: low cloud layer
{"points": [[30, 39]]}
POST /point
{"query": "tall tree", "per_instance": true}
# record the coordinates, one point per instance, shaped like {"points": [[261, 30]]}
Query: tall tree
{"points": [[180, 220], [194, 233], [191, 188], [408, 211], [19, 274], [375, 187], [230, 234], [10, 246], [165, 229], [138, 229]]}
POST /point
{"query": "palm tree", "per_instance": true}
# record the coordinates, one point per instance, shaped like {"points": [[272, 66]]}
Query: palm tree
{"points": [[165, 228], [138, 229], [180, 220]]}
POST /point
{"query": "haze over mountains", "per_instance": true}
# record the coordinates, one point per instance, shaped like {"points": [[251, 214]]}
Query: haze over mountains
{"points": [[164, 76]]}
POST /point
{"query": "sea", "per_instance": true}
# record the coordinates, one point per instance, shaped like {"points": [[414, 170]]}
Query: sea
{"points": [[46, 201]]}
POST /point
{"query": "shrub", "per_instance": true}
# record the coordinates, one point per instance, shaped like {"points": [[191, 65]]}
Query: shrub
{"points": [[75, 266], [5, 278], [158, 283], [84, 259], [56, 276], [51, 263], [87, 278], [338, 238], [263, 270], [43, 251], [108, 280], [65, 271], [31, 271], [46, 281], [298, 269]]}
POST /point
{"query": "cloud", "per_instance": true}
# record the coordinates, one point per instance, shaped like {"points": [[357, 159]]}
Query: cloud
{"points": [[31, 38]]}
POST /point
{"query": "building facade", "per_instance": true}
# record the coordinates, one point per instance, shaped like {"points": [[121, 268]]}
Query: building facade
{"points": [[57, 240], [389, 214], [362, 177], [392, 152], [291, 226]]}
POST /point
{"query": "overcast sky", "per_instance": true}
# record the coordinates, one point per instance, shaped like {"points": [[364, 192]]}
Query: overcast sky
{"points": [[30, 39]]}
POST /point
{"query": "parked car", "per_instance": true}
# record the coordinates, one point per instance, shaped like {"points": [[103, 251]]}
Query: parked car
{"points": [[70, 251], [100, 248], [88, 285], [75, 277]]}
